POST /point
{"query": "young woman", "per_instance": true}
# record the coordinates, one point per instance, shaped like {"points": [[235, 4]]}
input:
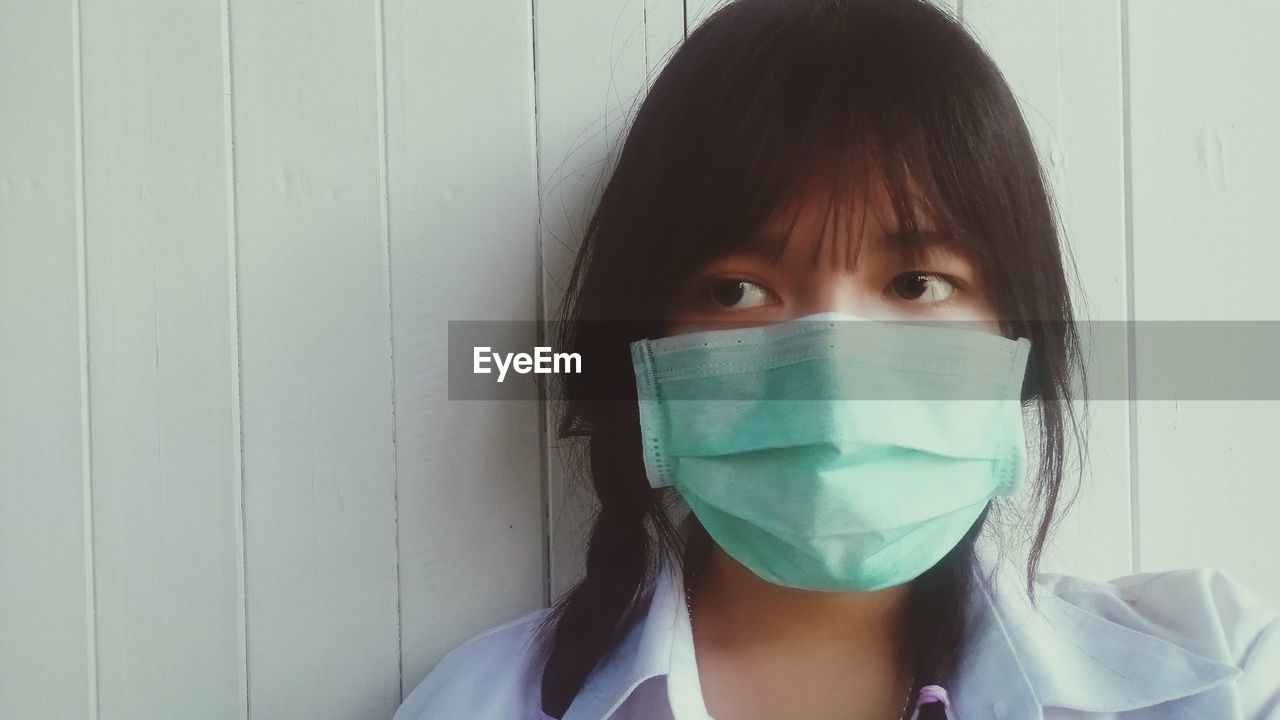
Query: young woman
{"points": [[799, 164]]}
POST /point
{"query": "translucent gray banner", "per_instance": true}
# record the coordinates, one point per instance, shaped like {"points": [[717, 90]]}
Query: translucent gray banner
{"points": [[1143, 360]]}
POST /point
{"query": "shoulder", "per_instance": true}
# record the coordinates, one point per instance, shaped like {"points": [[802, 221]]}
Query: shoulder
{"points": [[490, 675], [1205, 611]]}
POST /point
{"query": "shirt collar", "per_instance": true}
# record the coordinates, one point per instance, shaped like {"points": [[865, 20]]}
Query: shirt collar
{"points": [[1054, 653], [1020, 657]]}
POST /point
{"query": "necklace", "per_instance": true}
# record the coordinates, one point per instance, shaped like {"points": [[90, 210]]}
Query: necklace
{"points": [[688, 601]]}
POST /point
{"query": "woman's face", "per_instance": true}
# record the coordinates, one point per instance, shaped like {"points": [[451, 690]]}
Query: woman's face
{"points": [[750, 287]]}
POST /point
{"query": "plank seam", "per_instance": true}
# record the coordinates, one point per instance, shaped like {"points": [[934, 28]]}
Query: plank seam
{"points": [[237, 377], [1130, 296], [384, 194], [86, 425], [545, 426]]}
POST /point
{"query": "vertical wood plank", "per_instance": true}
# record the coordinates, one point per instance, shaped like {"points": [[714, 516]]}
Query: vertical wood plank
{"points": [[315, 349], [464, 224], [1204, 154], [46, 610], [593, 61], [1063, 61], [161, 361]]}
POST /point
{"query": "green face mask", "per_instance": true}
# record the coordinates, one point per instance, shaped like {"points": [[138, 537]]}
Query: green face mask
{"points": [[831, 452]]}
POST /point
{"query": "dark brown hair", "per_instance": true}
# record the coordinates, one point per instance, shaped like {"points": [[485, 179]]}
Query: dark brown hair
{"points": [[764, 101]]}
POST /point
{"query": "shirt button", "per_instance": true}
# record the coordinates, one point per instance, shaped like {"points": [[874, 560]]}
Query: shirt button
{"points": [[998, 710]]}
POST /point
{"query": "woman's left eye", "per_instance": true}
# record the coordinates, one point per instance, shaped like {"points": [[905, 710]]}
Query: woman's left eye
{"points": [[921, 287]]}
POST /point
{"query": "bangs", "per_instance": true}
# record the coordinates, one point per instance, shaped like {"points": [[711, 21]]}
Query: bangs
{"points": [[854, 181], [812, 112]]}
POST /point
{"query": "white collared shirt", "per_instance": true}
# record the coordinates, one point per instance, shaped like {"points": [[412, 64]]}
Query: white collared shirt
{"points": [[1174, 646]]}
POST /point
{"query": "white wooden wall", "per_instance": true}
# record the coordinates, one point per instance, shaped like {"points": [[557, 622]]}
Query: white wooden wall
{"points": [[232, 231]]}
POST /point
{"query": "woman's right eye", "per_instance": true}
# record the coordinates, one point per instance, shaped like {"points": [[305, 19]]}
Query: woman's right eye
{"points": [[737, 293]]}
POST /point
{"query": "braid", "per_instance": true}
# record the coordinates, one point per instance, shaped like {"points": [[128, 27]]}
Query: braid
{"points": [[590, 619]]}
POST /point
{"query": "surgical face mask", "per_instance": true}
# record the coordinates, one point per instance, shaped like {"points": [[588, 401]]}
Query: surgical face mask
{"points": [[831, 452]]}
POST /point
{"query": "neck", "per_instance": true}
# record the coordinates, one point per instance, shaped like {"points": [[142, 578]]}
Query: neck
{"points": [[737, 607]]}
